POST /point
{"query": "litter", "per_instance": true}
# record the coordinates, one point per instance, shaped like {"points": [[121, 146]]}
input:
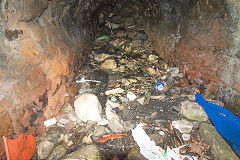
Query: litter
{"points": [[159, 86], [103, 37], [226, 123], [107, 137], [150, 151], [22, 147], [50, 122], [83, 80]]}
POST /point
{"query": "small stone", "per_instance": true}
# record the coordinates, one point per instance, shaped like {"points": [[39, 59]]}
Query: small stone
{"points": [[161, 133], [121, 34], [219, 147], [132, 65], [86, 152], [54, 134], [125, 82], [58, 152], [101, 57], [99, 130], [125, 61], [122, 68], [44, 149], [110, 113], [109, 64], [129, 125], [87, 107], [72, 116], [131, 96], [111, 50], [193, 111], [183, 126], [116, 126], [62, 121], [151, 71], [103, 122], [141, 100], [186, 137], [114, 91], [152, 58], [66, 108], [174, 71]]}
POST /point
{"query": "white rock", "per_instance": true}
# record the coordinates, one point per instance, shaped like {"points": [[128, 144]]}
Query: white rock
{"points": [[114, 91], [186, 137], [87, 107], [161, 133], [103, 122], [174, 71], [50, 122], [110, 114], [131, 96], [141, 100], [183, 126]]}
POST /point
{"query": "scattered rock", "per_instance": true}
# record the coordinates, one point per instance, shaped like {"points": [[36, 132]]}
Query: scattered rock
{"points": [[152, 58], [99, 130], [103, 122], [114, 91], [186, 137], [151, 71], [109, 64], [72, 116], [193, 111], [89, 152], [44, 149], [131, 96], [219, 147], [87, 107], [101, 57], [116, 126], [58, 152], [129, 125], [110, 113], [66, 108], [54, 134], [183, 126]]}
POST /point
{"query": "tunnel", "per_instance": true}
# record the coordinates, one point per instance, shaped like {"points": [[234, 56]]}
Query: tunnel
{"points": [[46, 45]]}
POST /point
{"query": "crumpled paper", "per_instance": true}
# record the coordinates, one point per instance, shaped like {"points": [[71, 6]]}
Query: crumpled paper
{"points": [[150, 151]]}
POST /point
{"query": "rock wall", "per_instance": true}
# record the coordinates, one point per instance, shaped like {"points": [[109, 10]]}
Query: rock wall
{"points": [[202, 39], [38, 54]]}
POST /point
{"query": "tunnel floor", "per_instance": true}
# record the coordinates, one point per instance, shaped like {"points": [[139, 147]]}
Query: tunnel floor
{"points": [[122, 71]]}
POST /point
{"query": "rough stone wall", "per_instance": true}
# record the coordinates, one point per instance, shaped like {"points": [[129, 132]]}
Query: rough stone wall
{"points": [[38, 55], [202, 38]]}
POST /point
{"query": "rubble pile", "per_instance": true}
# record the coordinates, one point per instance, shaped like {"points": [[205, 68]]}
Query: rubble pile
{"points": [[125, 83]]}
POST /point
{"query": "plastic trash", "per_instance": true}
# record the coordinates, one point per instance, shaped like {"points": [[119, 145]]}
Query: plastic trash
{"points": [[159, 86], [22, 147], [103, 37], [150, 151], [107, 137], [226, 123], [50, 122], [83, 80]]}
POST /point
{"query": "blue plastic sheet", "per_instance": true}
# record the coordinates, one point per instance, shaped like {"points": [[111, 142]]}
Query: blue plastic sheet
{"points": [[226, 123]]}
